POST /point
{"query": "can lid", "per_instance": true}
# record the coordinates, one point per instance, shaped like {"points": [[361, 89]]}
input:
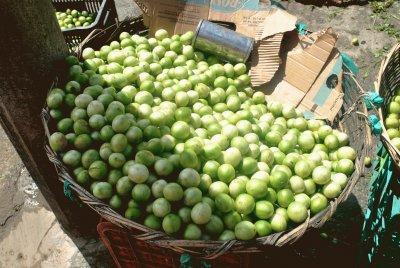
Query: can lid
{"points": [[249, 49], [197, 32]]}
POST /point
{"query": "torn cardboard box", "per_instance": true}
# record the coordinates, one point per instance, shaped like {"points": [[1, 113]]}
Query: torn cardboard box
{"points": [[302, 70], [310, 75]]}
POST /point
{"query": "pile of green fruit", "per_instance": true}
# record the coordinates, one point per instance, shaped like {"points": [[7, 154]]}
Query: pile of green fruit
{"points": [[180, 142], [392, 119], [73, 18]]}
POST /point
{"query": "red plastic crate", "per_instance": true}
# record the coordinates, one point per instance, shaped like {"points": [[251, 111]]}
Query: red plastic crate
{"points": [[128, 252]]}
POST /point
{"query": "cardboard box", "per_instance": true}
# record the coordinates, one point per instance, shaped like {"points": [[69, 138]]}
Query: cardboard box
{"points": [[310, 75], [302, 70]]}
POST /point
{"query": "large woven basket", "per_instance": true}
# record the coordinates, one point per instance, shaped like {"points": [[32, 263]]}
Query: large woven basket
{"points": [[387, 83], [351, 119]]}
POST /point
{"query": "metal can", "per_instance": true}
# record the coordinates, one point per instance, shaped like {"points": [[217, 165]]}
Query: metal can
{"points": [[222, 42]]}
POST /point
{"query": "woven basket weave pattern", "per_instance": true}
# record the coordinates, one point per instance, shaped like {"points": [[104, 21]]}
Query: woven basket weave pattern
{"points": [[387, 84]]}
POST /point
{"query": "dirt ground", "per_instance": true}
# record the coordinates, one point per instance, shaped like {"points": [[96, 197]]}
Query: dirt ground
{"points": [[30, 236]]}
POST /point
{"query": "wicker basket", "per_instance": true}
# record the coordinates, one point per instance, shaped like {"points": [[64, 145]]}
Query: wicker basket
{"points": [[106, 16], [388, 82], [351, 119]]}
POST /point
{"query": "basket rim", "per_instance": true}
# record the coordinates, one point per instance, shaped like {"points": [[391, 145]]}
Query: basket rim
{"points": [[210, 249], [393, 151]]}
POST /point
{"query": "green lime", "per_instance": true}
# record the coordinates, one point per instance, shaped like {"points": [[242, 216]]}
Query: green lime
{"points": [[192, 196], [141, 192], [113, 176], [245, 204], [72, 158], [171, 223], [102, 190], [224, 203], [264, 209], [58, 142], [115, 202], [263, 228], [201, 213], [98, 170], [192, 232], [245, 230], [256, 188], [161, 207], [173, 192], [133, 213]]}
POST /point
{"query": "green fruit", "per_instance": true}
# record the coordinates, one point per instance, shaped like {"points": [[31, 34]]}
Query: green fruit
{"points": [[173, 192], [54, 101], [285, 197], [138, 173], [141, 193], [102, 190], [263, 228], [189, 177], [161, 207], [115, 202], [227, 235], [124, 186], [321, 175], [118, 143], [133, 213], [226, 173], [120, 123], [184, 214], [81, 127], [157, 188], [171, 223], [264, 209], [152, 222], [245, 204], [192, 196], [215, 226], [224, 203], [256, 188], [98, 170], [318, 203], [279, 179], [245, 230], [297, 212], [332, 190], [201, 213], [72, 158], [89, 157], [278, 223], [394, 108], [83, 177], [192, 232], [114, 108], [83, 142], [113, 176], [58, 142], [237, 187]]}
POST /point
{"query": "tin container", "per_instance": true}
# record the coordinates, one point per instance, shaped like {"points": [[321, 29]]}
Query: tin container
{"points": [[222, 42]]}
